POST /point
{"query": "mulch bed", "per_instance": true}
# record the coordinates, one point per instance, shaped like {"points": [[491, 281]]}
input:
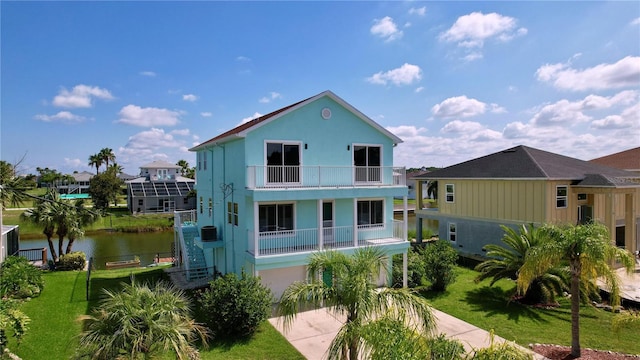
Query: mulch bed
{"points": [[557, 352]]}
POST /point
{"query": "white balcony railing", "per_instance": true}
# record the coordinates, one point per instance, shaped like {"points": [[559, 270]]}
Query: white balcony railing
{"points": [[286, 176], [306, 240]]}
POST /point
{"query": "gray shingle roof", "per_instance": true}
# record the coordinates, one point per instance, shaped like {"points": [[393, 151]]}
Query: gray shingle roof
{"points": [[522, 162]]}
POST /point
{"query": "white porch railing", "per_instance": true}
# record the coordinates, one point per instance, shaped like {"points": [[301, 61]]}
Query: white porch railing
{"points": [[285, 176], [181, 218], [305, 240]]}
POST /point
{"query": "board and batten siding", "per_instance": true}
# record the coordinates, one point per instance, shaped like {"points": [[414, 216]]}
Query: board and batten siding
{"points": [[513, 200]]}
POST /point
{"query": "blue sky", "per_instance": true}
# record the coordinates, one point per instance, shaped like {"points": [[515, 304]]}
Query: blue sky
{"points": [[454, 80]]}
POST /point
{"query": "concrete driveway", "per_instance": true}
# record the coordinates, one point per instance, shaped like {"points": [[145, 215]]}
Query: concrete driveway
{"points": [[312, 332]]}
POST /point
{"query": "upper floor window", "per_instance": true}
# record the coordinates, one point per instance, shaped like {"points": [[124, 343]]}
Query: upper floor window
{"points": [[283, 162], [367, 161], [162, 173], [561, 196], [198, 155], [204, 161], [453, 232], [370, 213], [449, 193], [275, 217]]}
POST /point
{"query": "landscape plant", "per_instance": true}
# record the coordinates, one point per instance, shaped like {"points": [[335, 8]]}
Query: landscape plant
{"points": [[439, 259], [235, 306], [347, 286], [415, 269], [11, 319], [500, 351], [589, 251], [19, 279], [141, 321], [74, 260], [104, 188]]}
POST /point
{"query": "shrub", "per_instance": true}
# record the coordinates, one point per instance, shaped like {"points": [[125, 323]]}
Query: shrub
{"points": [[439, 264], [19, 279], [427, 234], [415, 269], [235, 306], [11, 318], [441, 348], [501, 351], [74, 260]]}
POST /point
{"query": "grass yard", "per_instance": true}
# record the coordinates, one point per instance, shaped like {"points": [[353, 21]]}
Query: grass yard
{"points": [[53, 330], [488, 308]]}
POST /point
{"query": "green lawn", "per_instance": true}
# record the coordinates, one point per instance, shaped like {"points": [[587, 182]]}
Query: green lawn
{"points": [[488, 308], [53, 330]]}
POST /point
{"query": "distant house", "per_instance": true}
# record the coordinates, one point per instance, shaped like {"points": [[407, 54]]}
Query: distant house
{"points": [[314, 175], [524, 185], [626, 160], [9, 242], [76, 183], [412, 183], [160, 188]]}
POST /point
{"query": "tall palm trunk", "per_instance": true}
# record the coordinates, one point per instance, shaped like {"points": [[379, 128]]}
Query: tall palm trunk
{"points": [[48, 232], [70, 243], [576, 268]]}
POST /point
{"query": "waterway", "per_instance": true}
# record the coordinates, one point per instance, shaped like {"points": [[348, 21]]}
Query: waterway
{"points": [[114, 246]]}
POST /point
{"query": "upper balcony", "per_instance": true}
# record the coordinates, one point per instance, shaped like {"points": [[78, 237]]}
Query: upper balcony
{"points": [[291, 176]]}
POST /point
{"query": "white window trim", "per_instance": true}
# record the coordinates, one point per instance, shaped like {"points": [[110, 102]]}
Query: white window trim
{"points": [[449, 232], [384, 215], [565, 197], [284, 233], [264, 157], [453, 193]]}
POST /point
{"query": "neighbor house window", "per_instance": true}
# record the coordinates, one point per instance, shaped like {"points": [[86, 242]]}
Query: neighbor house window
{"points": [[232, 213], [367, 161], [198, 155], [452, 232], [370, 213], [582, 196], [283, 162], [449, 193], [561, 196], [162, 173], [275, 217]]}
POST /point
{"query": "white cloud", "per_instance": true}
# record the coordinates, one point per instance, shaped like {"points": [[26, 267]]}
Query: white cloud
{"points": [[243, 59], [419, 89], [418, 11], [472, 30], [62, 116], [635, 21], [74, 163], [148, 73], [148, 117], [459, 127], [189, 97], [472, 56], [206, 114], [628, 118], [81, 96], [623, 73], [272, 96], [386, 29], [404, 75], [149, 142], [249, 118], [461, 106], [180, 132]]}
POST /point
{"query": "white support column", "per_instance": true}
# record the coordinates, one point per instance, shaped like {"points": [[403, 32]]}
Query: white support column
{"points": [[256, 228], [355, 222], [320, 226], [405, 217], [405, 265]]}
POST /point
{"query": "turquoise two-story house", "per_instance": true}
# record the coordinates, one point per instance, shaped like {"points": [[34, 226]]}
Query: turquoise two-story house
{"points": [[314, 175]]}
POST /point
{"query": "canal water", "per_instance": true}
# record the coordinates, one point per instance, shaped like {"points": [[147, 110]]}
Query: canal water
{"points": [[114, 246]]}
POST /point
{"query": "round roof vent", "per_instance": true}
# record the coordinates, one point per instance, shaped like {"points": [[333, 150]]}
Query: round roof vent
{"points": [[326, 113]]}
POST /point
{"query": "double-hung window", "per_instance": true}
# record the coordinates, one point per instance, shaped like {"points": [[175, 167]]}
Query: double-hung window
{"points": [[453, 232], [275, 217], [163, 174], [561, 196], [370, 213], [283, 162], [449, 193], [367, 162]]}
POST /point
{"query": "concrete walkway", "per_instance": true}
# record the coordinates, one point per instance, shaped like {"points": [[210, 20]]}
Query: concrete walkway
{"points": [[312, 332]]}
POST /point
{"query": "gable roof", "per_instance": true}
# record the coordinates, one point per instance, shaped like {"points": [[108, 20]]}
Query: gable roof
{"points": [[523, 162], [627, 160], [160, 164], [241, 130]]}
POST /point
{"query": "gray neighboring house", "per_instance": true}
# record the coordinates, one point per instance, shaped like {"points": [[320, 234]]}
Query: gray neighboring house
{"points": [[9, 242], [159, 189], [79, 185]]}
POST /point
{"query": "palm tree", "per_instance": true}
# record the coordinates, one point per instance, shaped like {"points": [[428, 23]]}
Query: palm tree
{"points": [[350, 289], [82, 217], [506, 261], [184, 167], [589, 251], [106, 154], [95, 160], [141, 321], [116, 168], [432, 189], [43, 214]]}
